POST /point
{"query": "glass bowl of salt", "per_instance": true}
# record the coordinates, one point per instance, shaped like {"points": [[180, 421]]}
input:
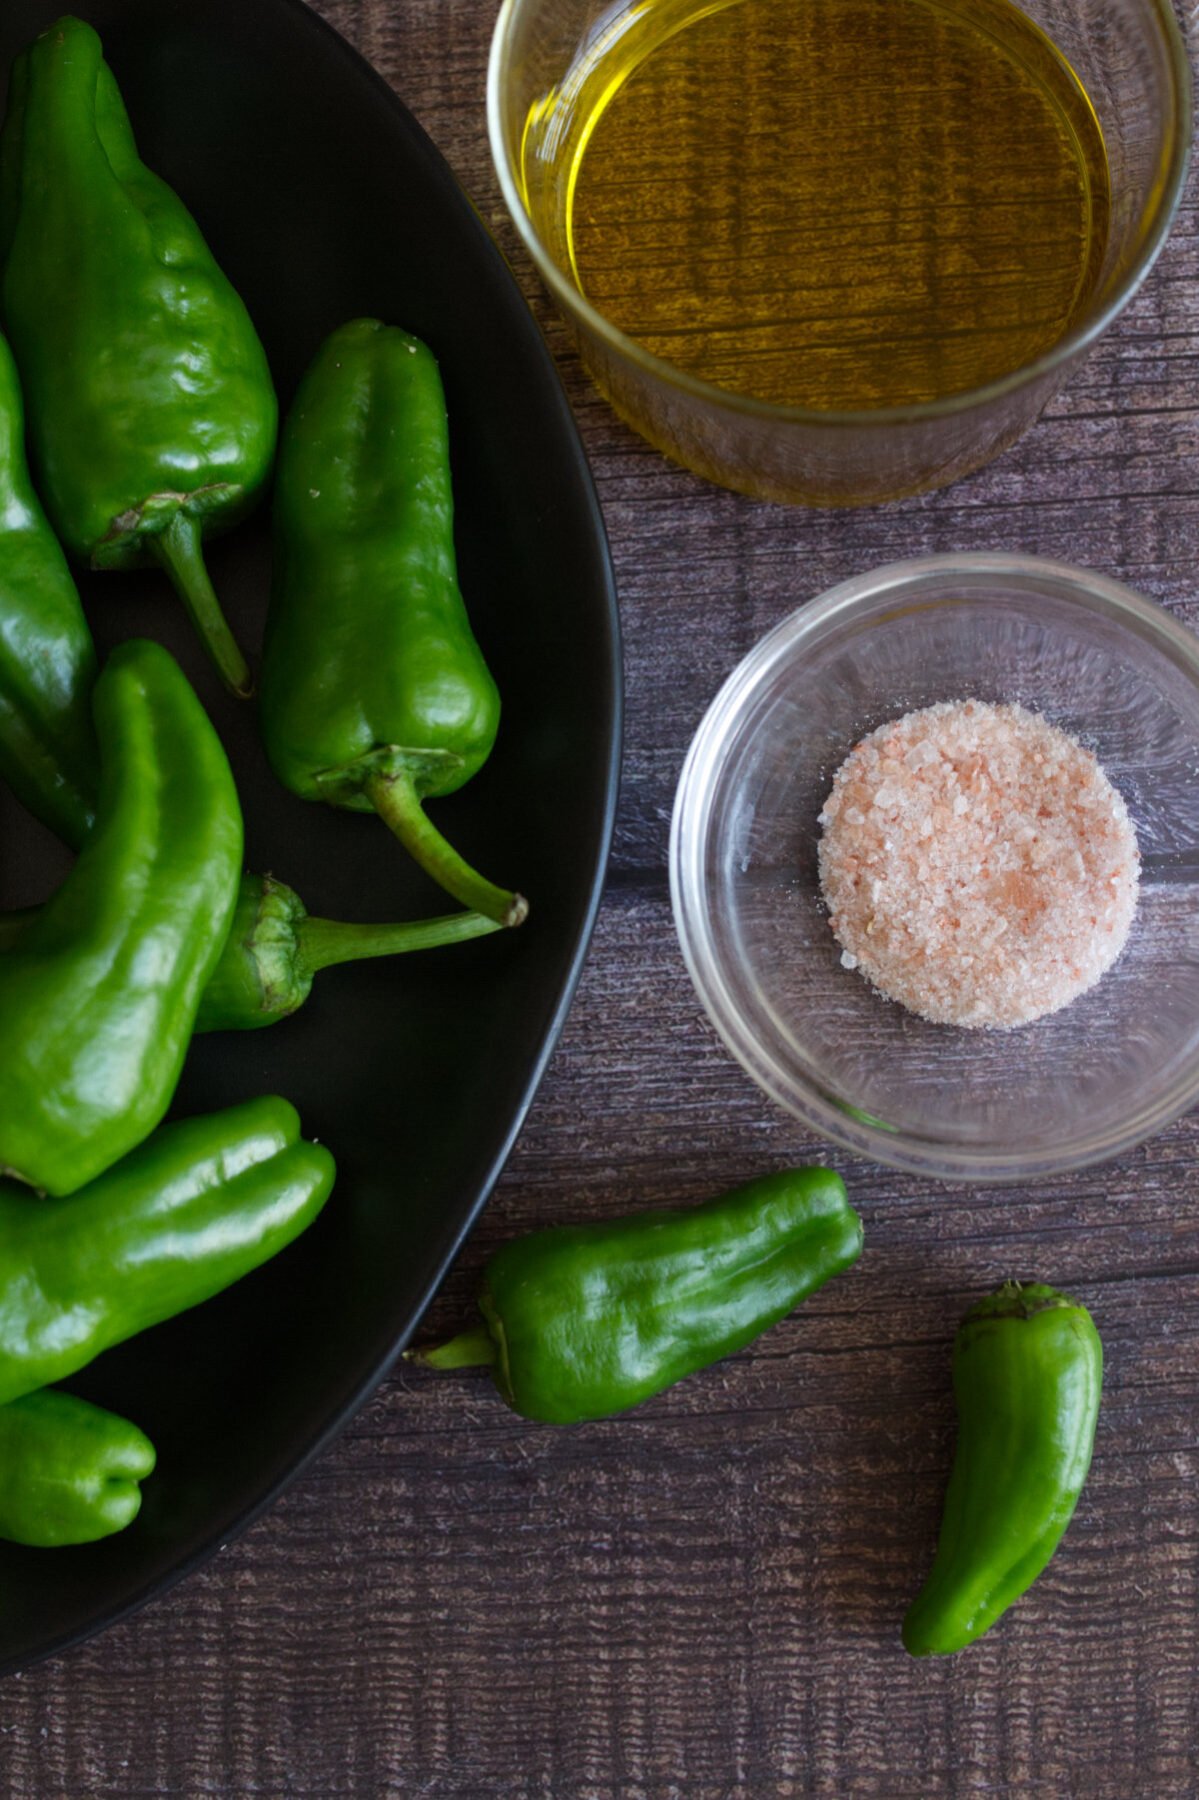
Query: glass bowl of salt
{"points": [[935, 866]]}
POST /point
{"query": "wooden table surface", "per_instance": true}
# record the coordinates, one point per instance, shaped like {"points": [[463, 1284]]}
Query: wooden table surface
{"points": [[703, 1599]]}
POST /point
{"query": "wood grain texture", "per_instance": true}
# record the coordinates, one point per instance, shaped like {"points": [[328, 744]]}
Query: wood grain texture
{"points": [[702, 1600]]}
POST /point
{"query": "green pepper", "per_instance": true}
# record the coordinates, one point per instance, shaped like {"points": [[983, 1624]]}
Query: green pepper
{"points": [[375, 695], [192, 1210], [47, 661], [274, 949], [1027, 1370], [151, 411], [99, 994], [69, 1471], [582, 1321]]}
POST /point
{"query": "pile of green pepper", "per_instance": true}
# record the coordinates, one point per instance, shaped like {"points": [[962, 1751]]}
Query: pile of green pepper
{"points": [[132, 370]]}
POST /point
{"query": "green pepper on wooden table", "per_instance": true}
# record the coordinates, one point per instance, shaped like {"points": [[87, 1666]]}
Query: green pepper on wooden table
{"points": [[152, 417], [69, 1471], [375, 694], [274, 948], [193, 1209], [583, 1321], [1027, 1374], [48, 750], [98, 996]]}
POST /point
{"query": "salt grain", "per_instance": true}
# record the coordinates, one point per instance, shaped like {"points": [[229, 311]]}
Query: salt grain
{"points": [[977, 864]]}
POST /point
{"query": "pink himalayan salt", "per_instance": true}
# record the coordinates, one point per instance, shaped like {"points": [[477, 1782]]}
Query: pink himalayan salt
{"points": [[977, 864]]}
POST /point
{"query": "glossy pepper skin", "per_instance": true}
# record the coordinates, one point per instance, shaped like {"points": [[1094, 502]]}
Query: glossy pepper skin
{"points": [[69, 1471], [48, 751], [98, 996], [197, 1206], [151, 411], [1027, 1372], [274, 948], [375, 695], [582, 1321]]}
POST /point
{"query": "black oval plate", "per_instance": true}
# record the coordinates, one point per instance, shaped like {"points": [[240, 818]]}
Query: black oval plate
{"points": [[323, 200]]}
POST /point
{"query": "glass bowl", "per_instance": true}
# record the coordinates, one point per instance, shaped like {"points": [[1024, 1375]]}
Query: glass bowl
{"points": [[549, 71], [1076, 1087]]}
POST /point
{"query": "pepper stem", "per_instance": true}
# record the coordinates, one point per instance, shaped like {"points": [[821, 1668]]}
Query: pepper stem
{"points": [[322, 942], [395, 799], [178, 548], [469, 1350]]}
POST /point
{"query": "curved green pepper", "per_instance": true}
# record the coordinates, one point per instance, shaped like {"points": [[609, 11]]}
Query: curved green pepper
{"points": [[582, 1321], [191, 1211], [375, 695], [47, 662], [69, 1471], [1027, 1370], [99, 995], [151, 412], [274, 948]]}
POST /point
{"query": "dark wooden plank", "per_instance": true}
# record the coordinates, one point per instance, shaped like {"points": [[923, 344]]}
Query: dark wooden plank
{"points": [[703, 1600]]}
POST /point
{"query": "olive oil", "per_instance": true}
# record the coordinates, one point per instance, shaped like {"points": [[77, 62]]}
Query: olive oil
{"points": [[833, 204]]}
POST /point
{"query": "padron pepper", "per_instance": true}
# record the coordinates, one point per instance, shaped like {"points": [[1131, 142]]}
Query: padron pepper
{"points": [[69, 1471], [274, 948], [197, 1206], [98, 996], [1027, 1372], [47, 661], [375, 695], [152, 417], [582, 1321]]}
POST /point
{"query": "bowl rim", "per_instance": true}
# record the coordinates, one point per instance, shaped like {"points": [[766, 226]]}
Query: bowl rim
{"points": [[1165, 199], [814, 1107]]}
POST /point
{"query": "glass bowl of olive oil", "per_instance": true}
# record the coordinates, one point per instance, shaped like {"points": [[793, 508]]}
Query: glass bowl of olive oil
{"points": [[838, 251]]}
